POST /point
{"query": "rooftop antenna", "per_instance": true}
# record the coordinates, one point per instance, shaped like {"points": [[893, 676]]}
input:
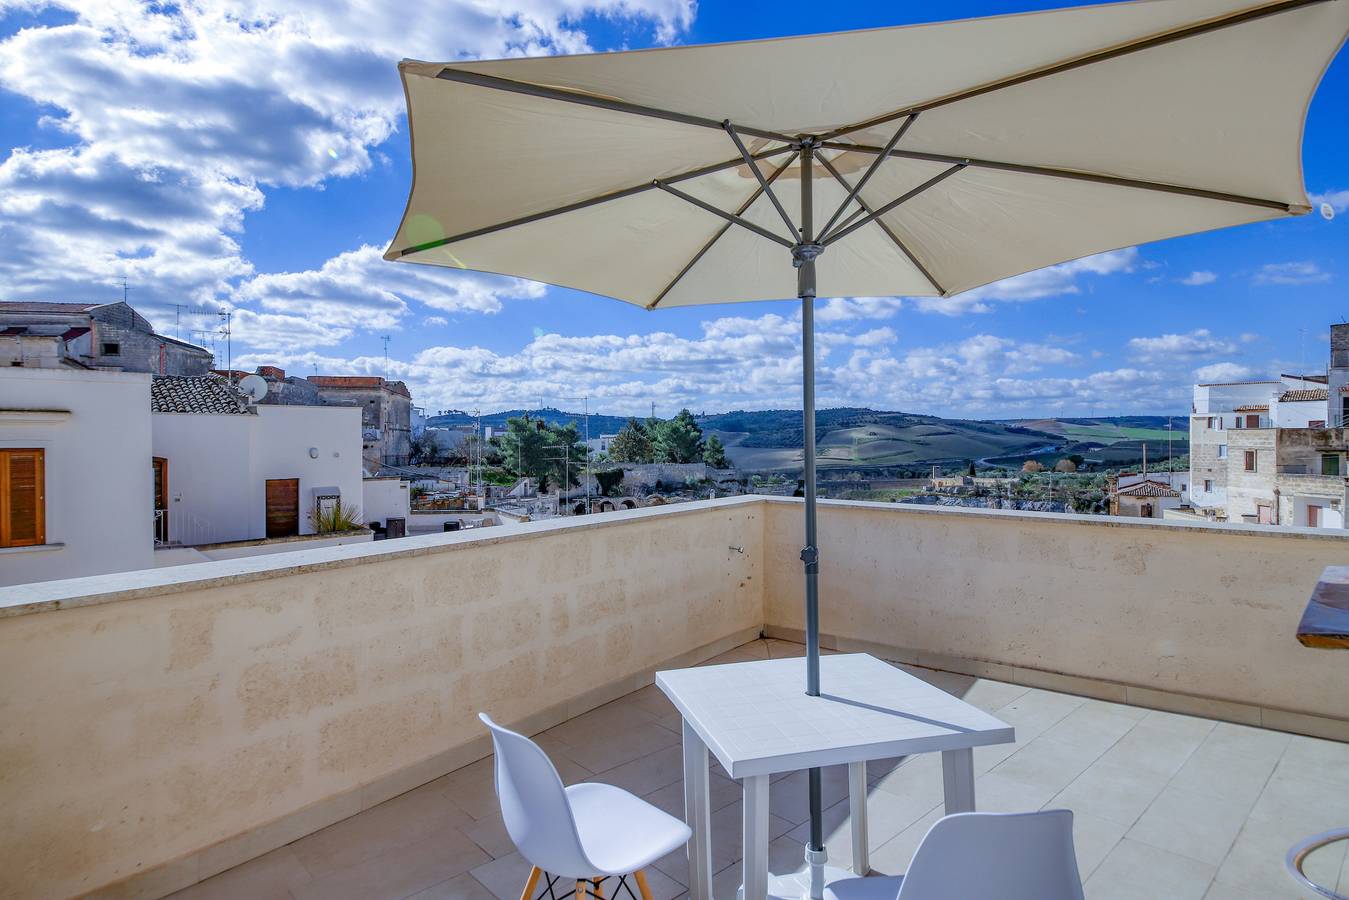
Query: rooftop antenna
{"points": [[226, 316], [385, 339], [125, 289]]}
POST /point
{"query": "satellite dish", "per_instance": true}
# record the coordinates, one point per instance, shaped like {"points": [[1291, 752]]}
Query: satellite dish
{"points": [[1327, 211], [254, 387]]}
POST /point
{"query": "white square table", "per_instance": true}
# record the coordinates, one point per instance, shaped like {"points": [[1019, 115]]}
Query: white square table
{"points": [[756, 719]]}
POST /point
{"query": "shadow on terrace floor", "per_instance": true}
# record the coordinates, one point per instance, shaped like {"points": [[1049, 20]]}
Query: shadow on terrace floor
{"points": [[1166, 806]]}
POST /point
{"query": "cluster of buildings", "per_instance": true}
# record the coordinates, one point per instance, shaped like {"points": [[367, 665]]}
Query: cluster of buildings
{"points": [[122, 449], [1272, 452]]}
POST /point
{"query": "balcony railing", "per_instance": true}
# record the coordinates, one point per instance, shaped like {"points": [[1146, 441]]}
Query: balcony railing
{"points": [[179, 721]]}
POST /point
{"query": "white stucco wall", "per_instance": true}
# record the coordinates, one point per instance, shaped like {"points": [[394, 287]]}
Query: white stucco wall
{"points": [[99, 484], [384, 497], [219, 466]]}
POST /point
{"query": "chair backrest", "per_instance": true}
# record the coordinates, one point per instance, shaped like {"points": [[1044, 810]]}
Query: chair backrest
{"points": [[534, 805], [1010, 856]]}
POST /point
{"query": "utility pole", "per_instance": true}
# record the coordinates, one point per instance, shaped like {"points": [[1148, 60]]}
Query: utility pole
{"points": [[586, 415]]}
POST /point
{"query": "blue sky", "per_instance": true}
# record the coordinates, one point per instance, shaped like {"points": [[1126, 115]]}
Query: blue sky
{"points": [[253, 156]]}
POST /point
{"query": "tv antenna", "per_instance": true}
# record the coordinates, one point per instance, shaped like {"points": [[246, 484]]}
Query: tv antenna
{"points": [[226, 317], [385, 339]]}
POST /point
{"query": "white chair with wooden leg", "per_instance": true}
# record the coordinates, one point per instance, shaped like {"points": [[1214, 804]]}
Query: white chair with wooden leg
{"points": [[584, 833]]}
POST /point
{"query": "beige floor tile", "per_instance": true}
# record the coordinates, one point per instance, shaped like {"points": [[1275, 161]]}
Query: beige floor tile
{"points": [[1156, 746], [1047, 763], [1199, 826], [267, 877], [1093, 839], [887, 816], [398, 872], [1216, 771], [1256, 860], [991, 696], [471, 788], [1311, 803], [605, 747], [1220, 891], [405, 819], [1315, 758], [721, 792], [1135, 871], [996, 792], [1114, 793], [1036, 711], [647, 773], [504, 877], [461, 887], [490, 834], [1094, 727], [1242, 740]]}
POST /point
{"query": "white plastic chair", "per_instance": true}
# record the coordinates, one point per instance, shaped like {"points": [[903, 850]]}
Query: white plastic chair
{"points": [[999, 856], [587, 832]]}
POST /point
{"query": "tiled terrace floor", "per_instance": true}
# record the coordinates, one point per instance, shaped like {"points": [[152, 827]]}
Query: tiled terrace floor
{"points": [[1167, 807]]}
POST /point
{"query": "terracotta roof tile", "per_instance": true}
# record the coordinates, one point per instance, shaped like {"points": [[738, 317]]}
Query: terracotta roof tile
{"points": [[1149, 489], [200, 394], [1303, 396]]}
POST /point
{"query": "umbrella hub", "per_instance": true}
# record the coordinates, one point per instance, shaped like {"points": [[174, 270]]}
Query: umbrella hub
{"points": [[805, 251]]}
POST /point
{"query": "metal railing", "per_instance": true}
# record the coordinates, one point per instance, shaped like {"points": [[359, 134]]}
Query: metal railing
{"points": [[161, 527]]}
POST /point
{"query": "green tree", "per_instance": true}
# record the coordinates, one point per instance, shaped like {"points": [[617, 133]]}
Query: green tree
{"points": [[677, 440], [632, 444], [424, 450], [531, 448], [714, 453], [608, 481]]}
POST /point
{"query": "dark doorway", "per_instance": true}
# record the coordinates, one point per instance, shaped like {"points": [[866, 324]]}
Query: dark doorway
{"points": [[161, 467], [283, 507]]}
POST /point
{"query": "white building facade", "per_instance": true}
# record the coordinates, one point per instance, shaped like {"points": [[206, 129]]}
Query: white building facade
{"points": [[76, 490]]}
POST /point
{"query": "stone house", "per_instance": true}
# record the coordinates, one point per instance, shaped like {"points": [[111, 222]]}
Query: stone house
{"points": [[108, 336]]}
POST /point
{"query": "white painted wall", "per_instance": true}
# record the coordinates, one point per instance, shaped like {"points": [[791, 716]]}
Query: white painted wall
{"points": [[1297, 414], [219, 466], [384, 497], [99, 485]]}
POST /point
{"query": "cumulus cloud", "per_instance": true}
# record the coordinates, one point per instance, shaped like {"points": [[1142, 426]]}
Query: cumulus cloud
{"points": [[1338, 200], [1291, 273], [1223, 371], [1053, 281], [178, 118], [1199, 278], [847, 309], [1196, 343]]}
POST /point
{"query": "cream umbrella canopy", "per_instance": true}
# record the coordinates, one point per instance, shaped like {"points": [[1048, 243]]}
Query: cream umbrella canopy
{"points": [[922, 160]]}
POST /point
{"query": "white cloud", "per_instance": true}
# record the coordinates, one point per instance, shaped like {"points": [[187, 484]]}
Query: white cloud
{"points": [[179, 116], [1200, 342], [847, 309], [1291, 273], [435, 321], [1223, 371], [1338, 200], [1053, 281], [1200, 277], [876, 337]]}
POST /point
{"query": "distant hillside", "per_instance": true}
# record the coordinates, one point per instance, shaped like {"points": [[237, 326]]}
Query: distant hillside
{"points": [[1112, 429], [599, 424]]}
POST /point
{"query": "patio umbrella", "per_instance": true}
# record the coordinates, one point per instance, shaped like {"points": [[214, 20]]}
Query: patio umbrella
{"points": [[923, 160]]}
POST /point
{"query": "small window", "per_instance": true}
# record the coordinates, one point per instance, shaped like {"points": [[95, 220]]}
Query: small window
{"points": [[1208, 485], [1250, 460], [112, 348], [22, 498], [1330, 464], [1222, 451]]}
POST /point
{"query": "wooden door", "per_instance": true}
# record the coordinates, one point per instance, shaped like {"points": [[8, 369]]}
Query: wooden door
{"points": [[283, 507], [1313, 516], [161, 467], [1253, 420]]}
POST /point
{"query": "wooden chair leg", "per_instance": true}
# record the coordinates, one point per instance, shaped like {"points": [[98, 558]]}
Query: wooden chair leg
{"points": [[645, 888], [530, 884], [580, 889], [599, 887]]}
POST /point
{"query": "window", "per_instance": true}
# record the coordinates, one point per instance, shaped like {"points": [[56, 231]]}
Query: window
{"points": [[1222, 451], [1250, 460], [22, 499], [1330, 464], [1210, 421], [112, 348], [1208, 485]]}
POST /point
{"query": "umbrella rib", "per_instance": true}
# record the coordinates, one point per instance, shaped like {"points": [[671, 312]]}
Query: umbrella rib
{"points": [[758, 192], [871, 170], [495, 82], [729, 217], [1071, 174], [754, 167], [864, 207], [1155, 40], [902, 198], [591, 201]]}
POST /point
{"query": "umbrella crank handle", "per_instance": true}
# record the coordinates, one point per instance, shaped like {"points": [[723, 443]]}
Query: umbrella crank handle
{"points": [[811, 557]]}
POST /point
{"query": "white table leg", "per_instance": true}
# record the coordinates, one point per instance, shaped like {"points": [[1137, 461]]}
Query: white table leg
{"points": [[857, 812], [755, 792], [697, 813], [957, 769]]}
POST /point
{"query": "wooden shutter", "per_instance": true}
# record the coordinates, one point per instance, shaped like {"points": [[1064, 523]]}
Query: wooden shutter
{"points": [[22, 498]]}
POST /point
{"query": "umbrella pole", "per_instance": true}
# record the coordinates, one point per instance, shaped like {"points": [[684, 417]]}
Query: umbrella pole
{"points": [[805, 261]]}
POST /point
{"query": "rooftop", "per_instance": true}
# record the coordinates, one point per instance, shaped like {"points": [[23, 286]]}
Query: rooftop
{"points": [[1165, 805], [1251, 407], [199, 394], [1149, 489], [303, 725], [1303, 396]]}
